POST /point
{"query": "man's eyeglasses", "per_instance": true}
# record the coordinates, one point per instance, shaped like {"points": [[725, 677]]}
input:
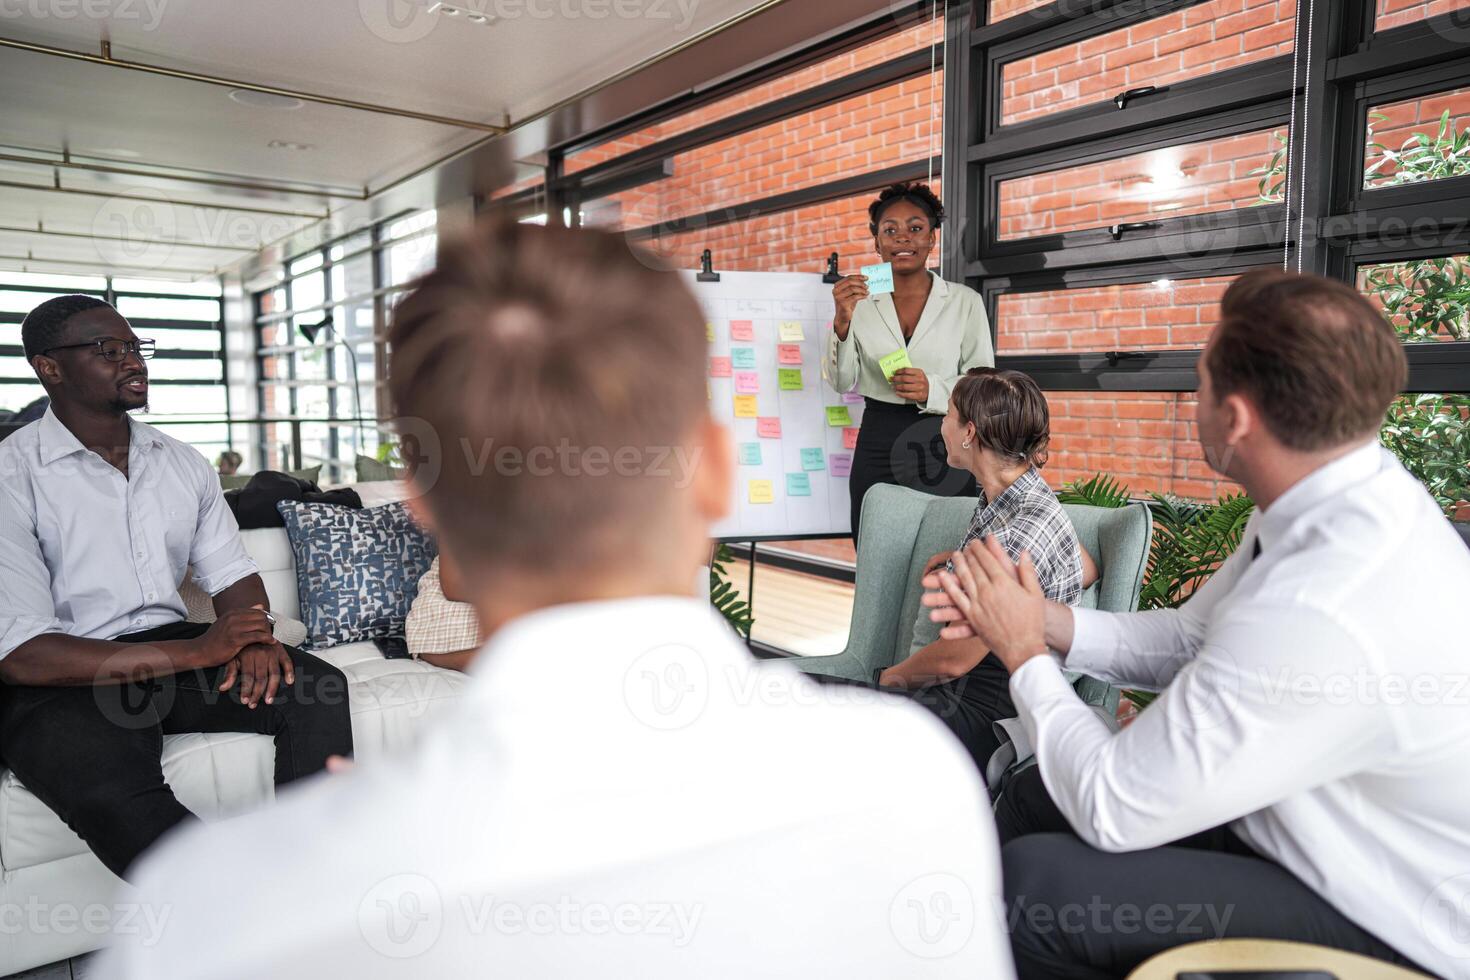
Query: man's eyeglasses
{"points": [[112, 349]]}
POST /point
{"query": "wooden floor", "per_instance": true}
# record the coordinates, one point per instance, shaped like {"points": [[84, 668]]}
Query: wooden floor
{"points": [[804, 614]]}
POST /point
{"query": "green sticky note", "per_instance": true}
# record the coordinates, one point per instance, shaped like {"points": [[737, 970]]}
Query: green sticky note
{"points": [[891, 363], [750, 454], [789, 379], [812, 459], [798, 485], [838, 416], [742, 357]]}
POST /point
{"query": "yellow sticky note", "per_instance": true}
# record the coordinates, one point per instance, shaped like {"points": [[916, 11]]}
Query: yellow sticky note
{"points": [[892, 362], [745, 407], [762, 492], [790, 332], [709, 332]]}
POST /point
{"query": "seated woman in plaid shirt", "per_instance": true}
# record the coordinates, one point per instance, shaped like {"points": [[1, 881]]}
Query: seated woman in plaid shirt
{"points": [[998, 428]]}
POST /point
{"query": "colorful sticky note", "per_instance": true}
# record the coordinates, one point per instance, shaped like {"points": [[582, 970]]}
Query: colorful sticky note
{"points": [[892, 362], [747, 382], [745, 407], [790, 379], [709, 331], [750, 454], [742, 330], [762, 492], [838, 415], [788, 353], [768, 427], [849, 438], [812, 459], [790, 331], [719, 367], [798, 485], [743, 357], [853, 398], [880, 277], [840, 464]]}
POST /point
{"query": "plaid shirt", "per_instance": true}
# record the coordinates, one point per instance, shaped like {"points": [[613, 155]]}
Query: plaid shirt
{"points": [[1028, 517]]}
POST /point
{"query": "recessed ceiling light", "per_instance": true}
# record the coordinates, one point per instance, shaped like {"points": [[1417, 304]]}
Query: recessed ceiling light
{"points": [[289, 145], [470, 14], [263, 100]]}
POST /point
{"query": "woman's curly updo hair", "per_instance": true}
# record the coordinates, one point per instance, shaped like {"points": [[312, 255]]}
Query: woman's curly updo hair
{"points": [[1009, 412], [916, 194]]}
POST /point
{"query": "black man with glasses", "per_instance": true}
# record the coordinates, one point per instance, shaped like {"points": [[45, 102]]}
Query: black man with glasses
{"points": [[100, 514]]}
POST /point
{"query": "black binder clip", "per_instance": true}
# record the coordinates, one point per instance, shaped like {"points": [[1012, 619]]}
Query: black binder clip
{"points": [[707, 271], [831, 275]]}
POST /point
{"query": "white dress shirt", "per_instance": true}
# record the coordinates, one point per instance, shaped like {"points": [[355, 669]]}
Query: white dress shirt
{"points": [[1315, 697], [89, 552], [619, 793], [952, 336]]}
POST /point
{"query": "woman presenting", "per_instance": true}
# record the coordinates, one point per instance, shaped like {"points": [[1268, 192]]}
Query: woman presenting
{"points": [[940, 326]]}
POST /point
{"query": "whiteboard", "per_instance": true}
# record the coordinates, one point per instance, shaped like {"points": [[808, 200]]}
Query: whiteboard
{"points": [[795, 482]]}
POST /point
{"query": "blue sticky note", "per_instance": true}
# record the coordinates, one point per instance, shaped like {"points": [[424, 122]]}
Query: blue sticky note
{"points": [[798, 485], [812, 459], [880, 277], [742, 357], [750, 454]]}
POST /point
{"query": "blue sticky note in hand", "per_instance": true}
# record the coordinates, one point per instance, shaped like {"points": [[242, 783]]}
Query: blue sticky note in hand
{"points": [[798, 485], [880, 278]]}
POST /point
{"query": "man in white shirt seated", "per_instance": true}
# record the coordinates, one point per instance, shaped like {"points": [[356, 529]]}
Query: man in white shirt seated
{"points": [[99, 517], [1302, 774], [620, 792]]}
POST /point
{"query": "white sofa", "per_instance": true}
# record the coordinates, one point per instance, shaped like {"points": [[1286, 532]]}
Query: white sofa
{"points": [[57, 900]]}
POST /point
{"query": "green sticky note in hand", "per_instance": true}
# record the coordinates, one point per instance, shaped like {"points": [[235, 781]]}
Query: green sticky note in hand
{"points": [[789, 379], [838, 416], [892, 362]]}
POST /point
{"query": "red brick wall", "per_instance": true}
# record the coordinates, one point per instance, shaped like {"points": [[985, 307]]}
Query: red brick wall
{"points": [[1404, 119], [1195, 178], [1396, 13], [1189, 43], [1167, 314], [1001, 9]]}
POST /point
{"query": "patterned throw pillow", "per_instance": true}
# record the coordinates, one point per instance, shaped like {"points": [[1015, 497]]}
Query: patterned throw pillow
{"points": [[357, 571]]}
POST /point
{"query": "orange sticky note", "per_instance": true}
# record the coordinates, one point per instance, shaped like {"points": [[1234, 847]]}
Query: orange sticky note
{"points": [[742, 330], [849, 438], [745, 407], [768, 427], [788, 353]]}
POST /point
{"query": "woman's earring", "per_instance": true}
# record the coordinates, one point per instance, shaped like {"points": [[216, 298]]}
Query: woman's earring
{"points": [[965, 444]]}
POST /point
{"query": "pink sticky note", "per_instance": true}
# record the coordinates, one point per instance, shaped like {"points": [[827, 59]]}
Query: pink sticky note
{"points": [[719, 367], [742, 330], [849, 438], [747, 382], [853, 398], [768, 428], [788, 353], [839, 464]]}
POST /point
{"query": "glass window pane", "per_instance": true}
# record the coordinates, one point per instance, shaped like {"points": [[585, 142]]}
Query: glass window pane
{"points": [[353, 277], [65, 284], [16, 301], [1396, 13], [1430, 434], [149, 307], [1166, 314], [1190, 43], [1147, 440], [312, 402], [408, 260], [1421, 139], [1425, 300], [1000, 10], [311, 260], [168, 369], [202, 287], [14, 397], [422, 221], [207, 338], [186, 400], [277, 334], [850, 62], [308, 291], [1195, 178]]}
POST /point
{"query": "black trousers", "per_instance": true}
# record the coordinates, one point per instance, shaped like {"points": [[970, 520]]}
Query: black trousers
{"points": [[969, 706], [902, 445], [1077, 912], [92, 754]]}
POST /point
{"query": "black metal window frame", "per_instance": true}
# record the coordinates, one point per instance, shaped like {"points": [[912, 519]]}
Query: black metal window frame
{"points": [[1348, 69]]}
